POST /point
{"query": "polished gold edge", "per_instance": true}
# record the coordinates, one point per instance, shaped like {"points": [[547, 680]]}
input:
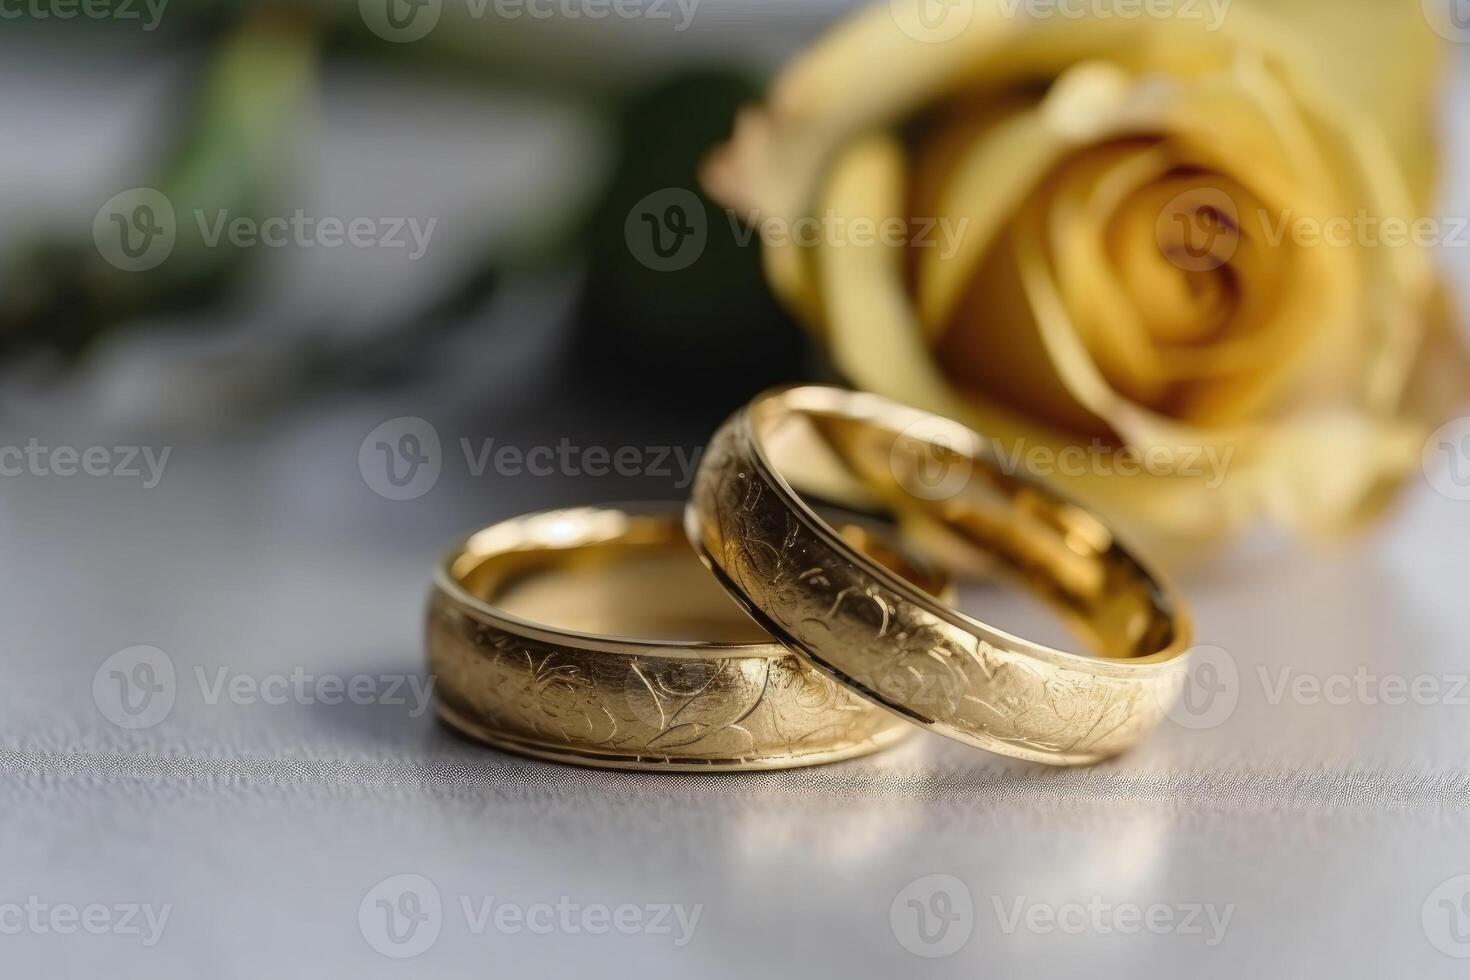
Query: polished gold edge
{"points": [[567, 755], [613, 702], [889, 414], [446, 582], [896, 646]]}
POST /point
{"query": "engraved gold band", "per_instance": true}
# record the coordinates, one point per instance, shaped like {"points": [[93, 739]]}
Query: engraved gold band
{"points": [[750, 520], [584, 691]]}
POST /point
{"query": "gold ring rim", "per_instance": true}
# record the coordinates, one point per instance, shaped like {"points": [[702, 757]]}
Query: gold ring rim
{"points": [[540, 752], [446, 581], [614, 702], [1170, 600], [1044, 704]]}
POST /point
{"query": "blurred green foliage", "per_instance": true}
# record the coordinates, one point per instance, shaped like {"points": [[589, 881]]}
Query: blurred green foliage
{"points": [[261, 70], [709, 333], [705, 334]]}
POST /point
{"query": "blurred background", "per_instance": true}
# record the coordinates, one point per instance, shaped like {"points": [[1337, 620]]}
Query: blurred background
{"points": [[294, 431], [517, 145], [494, 161]]}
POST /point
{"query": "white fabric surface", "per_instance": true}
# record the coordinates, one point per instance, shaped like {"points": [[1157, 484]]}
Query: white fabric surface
{"points": [[1326, 829]]}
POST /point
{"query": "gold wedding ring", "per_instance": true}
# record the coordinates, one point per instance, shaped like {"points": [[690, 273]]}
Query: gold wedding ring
{"points": [[751, 521], [531, 630]]}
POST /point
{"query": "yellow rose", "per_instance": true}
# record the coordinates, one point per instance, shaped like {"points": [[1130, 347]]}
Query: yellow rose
{"points": [[1164, 255]]}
